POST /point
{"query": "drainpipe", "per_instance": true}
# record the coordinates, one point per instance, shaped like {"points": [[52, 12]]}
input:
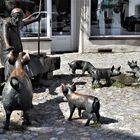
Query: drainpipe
{"points": [[81, 32], [39, 30], [49, 18]]}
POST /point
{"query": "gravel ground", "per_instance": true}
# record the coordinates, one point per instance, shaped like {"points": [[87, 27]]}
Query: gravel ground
{"points": [[120, 107]]}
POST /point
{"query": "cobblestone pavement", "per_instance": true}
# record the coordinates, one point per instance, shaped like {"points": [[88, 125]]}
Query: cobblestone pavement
{"points": [[120, 107]]}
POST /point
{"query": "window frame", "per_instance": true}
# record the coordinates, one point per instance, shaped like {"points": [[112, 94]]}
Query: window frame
{"points": [[108, 37]]}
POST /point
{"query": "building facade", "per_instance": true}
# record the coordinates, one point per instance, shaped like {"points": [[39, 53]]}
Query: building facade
{"points": [[82, 25]]}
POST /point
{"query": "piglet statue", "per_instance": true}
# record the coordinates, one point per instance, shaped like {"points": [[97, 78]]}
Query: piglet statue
{"points": [[17, 93], [90, 104]]}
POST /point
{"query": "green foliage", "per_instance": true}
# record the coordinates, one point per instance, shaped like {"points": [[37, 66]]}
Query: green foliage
{"points": [[94, 86], [120, 81], [118, 84], [123, 80], [96, 125]]}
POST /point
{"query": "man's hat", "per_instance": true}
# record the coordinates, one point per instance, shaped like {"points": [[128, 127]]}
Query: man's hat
{"points": [[17, 10]]}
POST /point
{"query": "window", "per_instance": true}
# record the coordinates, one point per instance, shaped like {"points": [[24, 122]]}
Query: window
{"points": [[61, 17], [31, 30], [115, 17], [32, 10]]}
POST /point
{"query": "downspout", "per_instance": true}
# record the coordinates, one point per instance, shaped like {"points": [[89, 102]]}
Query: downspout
{"points": [[39, 30], [81, 31]]}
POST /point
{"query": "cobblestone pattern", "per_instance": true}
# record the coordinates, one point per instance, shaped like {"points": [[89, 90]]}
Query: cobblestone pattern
{"points": [[120, 107]]}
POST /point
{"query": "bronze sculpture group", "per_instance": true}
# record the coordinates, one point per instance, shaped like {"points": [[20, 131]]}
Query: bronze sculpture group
{"points": [[18, 87]]}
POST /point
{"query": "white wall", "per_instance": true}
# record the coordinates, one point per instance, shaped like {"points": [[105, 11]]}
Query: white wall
{"points": [[84, 25], [31, 45], [132, 5], [116, 44]]}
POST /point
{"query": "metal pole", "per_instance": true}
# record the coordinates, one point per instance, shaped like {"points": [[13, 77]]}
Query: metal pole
{"points": [[39, 30]]}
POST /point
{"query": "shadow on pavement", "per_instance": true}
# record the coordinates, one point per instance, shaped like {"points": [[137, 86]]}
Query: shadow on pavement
{"points": [[56, 82]]}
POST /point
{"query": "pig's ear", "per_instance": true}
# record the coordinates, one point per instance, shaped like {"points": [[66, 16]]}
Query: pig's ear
{"points": [[119, 68], [112, 68], [64, 89], [26, 59], [63, 86], [11, 58], [70, 65], [73, 87], [128, 62]]}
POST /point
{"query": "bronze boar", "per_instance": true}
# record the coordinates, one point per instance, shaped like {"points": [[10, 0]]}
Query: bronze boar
{"points": [[80, 101], [81, 65], [17, 93], [104, 73]]}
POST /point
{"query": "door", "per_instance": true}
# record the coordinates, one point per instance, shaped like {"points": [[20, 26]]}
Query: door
{"points": [[62, 28]]}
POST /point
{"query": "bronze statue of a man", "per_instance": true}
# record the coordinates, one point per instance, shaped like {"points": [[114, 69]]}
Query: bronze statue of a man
{"points": [[10, 35]]}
